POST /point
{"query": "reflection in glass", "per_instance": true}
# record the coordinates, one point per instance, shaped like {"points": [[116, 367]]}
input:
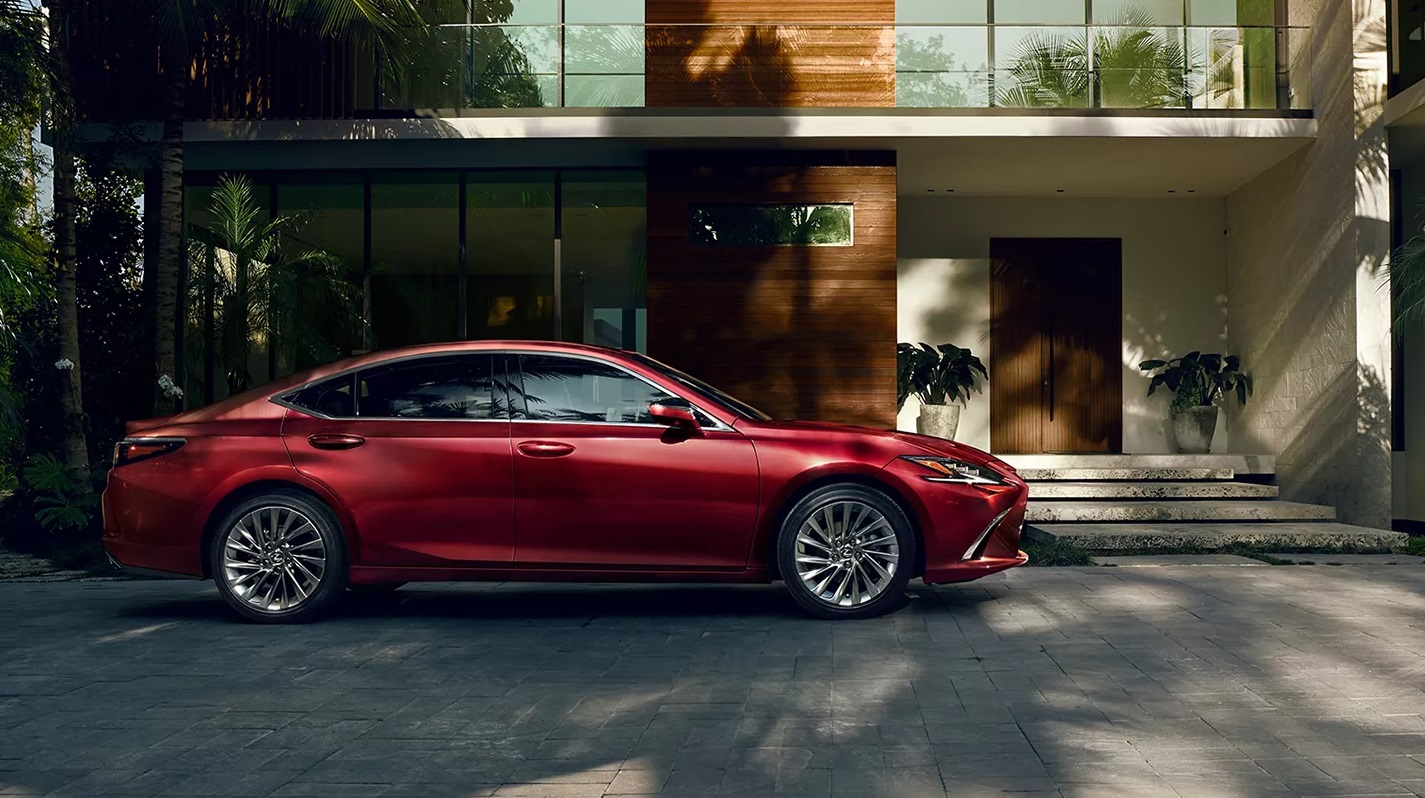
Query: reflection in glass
{"points": [[1131, 64], [1039, 12], [941, 12], [1143, 12], [604, 258], [509, 233], [942, 67], [603, 66], [415, 258], [570, 389], [737, 225], [330, 218], [1232, 13], [458, 387]]}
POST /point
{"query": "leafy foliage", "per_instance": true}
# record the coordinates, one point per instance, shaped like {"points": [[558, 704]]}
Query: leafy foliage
{"points": [[754, 225], [1199, 380], [937, 375], [1133, 63], [246, 288], [64, 499]]}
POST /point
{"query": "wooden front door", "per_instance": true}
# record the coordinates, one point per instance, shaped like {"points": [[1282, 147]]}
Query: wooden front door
{"points": [[1056, 380]]}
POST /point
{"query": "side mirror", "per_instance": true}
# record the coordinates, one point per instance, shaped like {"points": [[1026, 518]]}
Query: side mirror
{"points": [[674, 413]]}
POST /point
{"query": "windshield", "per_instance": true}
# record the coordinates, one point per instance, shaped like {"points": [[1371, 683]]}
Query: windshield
{"points": [[688, 381]]}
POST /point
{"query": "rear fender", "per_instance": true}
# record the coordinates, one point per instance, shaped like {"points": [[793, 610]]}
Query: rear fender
{"points": [[276, 475]]}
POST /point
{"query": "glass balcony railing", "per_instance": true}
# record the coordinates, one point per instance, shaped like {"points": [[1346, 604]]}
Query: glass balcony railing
{"points": [[910, 66]]}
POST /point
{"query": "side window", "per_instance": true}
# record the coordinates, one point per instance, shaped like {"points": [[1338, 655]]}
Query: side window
{"points": [[453, 387], [331, 397], [573, 389]]}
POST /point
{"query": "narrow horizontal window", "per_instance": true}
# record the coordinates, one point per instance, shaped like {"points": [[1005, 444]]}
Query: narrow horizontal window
{"points": [[729, 225]]}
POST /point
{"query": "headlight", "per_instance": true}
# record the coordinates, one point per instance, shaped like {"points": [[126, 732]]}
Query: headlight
{"points": [[947, 469]]}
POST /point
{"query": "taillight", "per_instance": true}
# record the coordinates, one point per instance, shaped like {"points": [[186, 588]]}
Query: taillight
{"points": [[131, 450]]}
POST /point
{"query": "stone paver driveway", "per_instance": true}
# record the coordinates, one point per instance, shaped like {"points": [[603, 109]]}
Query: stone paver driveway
{"points": [[1095, 681]]}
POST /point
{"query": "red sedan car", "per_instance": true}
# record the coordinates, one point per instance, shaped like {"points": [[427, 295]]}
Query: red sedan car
{"points": [[543, 461]]}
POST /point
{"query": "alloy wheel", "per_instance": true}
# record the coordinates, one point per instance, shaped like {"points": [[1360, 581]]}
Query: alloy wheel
{"points": [[847, 553], [274, 558]]}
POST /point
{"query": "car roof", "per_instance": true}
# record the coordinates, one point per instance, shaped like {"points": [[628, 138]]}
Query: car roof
{"points": [[450, 347]]}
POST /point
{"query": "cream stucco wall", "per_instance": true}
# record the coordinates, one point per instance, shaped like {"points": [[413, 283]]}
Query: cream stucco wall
{"points": [[1174, 285], [1307, 246]]}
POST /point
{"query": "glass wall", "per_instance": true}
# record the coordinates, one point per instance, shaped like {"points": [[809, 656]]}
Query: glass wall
{"points": [[415, 258], [604, 236], [1097, 54], [385, 259], [509, 220], [949, 53]]}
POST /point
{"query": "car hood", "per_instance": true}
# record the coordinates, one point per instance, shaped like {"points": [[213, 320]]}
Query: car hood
{"points": [[912, 442]]}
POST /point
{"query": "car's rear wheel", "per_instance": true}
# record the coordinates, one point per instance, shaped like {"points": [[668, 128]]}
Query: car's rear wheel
{"points": [[280, 558], [846, 551]]}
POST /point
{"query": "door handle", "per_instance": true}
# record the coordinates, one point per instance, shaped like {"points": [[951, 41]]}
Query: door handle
{"points": [[331, 440], [545, 449]]}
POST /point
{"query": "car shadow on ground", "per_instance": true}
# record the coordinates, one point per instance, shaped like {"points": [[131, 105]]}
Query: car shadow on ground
{"points": [[531, 601]]}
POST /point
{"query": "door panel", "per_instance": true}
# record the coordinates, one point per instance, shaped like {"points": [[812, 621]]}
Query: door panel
{"points": [[420, 492], [418, 450], [634, 495], [598, 482], [1055, 346]]}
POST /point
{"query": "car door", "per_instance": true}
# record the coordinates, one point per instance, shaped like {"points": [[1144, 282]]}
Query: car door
{"points": [[600, 483], [418, 451]]}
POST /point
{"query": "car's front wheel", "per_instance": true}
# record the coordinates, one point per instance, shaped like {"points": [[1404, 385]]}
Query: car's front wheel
{"points": [[280, 558], [846, 551]]}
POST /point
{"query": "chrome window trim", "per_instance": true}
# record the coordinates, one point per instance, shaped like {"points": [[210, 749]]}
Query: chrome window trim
{"points": [[281, 399]]}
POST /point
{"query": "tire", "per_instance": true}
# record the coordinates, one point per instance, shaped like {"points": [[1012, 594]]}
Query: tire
{"points": [[266, 578], [853, 576]]}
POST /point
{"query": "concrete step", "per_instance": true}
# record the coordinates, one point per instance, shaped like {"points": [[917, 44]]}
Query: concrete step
{"points": [[1239, 463], [1122, 474], [1111, 537], [1206, 510], [1041, 491]]}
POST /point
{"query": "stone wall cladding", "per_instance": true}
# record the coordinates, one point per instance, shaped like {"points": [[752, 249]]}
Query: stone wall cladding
{"points": [[1300, 311]]}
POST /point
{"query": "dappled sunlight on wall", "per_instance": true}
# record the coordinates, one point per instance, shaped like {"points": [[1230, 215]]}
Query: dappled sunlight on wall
{"points": [[1174, 278]]}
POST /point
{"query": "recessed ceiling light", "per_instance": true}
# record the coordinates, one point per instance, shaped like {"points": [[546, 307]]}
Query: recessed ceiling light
{"points": [[931, 190], [1061, 191], [1172, 191], [1192, 191]]}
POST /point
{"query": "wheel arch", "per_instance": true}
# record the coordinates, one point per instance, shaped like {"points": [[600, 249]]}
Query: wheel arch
{"points": [[821, 480], [258, 486]]}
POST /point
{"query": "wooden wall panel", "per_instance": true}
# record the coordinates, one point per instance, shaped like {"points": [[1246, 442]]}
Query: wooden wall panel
{"points": [[803, 332], [754, 53], [771, 12]]}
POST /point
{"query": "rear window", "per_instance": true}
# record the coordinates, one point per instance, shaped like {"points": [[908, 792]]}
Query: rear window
{"points": [[332, 397]]}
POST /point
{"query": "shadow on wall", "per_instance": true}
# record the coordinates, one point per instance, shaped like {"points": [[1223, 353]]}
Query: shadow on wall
{"points": [[791, 329]]}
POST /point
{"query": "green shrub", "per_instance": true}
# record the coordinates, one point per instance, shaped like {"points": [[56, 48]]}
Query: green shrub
{"points": [[1056, 553]]}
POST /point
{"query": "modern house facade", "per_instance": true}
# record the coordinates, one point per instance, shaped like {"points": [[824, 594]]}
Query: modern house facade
{"points": [[771, 195]]}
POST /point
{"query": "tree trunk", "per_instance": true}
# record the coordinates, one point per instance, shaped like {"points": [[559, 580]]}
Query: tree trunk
{"points": [[170, 224], [76, 446]]}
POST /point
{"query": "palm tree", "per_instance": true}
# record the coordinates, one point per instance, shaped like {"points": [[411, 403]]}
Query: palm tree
{"points": [[393, 28], [1131, 64], [247, 287]]}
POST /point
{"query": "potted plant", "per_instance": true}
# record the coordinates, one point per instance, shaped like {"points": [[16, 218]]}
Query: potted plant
{"points": [[1199, 382], [939, 377]]}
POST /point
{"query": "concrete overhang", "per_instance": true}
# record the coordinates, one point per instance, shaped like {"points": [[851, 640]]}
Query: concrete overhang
{"points": [[973, 152]]}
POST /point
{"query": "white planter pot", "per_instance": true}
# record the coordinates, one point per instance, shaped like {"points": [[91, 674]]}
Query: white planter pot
{"points": [[1193, 429], [938, 421]]}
